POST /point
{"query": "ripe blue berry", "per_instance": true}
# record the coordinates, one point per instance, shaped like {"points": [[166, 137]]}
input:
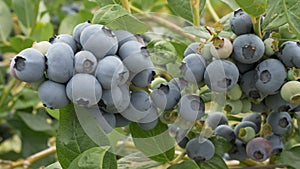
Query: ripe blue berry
{"points": [[78, 30], [124, 36], [241, 22], [226, 132], [281, 122], [191, 107], [289, 54], [193, 68], [215, 119], [85, 62], [28, 65], [259, 149], [200, 149], [143, 78], [53, 95]]}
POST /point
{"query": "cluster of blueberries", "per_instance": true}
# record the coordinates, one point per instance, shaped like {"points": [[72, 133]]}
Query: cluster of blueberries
{"points": [[254, 78], [111, 70]]}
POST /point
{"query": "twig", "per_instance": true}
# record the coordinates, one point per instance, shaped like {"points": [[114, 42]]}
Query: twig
{"points": [[126, 5], [165, 23], [6, 91], [263, 167], [178, 158], [256, 26], [27, 162], [196, 12], [212, 11]]}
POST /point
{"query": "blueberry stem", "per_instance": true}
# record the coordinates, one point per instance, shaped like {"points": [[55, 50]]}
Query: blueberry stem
{"points": [[257, 26], [178, 158], [196, 12], [126, 5], [212, 11]]}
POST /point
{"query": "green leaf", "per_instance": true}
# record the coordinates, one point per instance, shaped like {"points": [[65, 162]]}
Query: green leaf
{"points": [[53, 112], [26, 98], [163, 52], [27, 11], [292, 14], [6, 24], [291, 156], [275, 16], [19, 43], [190, 164], [213, 163], [182, 8], [42, 31], [231, 3], [254, 8], [137, 161], [156, 144], [107, 2], [70, 21], [94, 158], [36, 122], [116, 17], [71, 139]]}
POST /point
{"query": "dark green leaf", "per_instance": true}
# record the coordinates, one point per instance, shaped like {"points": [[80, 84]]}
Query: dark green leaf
{"points": [[71, 139], [42, 32], [19, 43], [156, 144], [137, 161], [231, 3], [53, 112], [291, 156], [221, 145], [190, 164], [292, 12], [107, 2], [275, 16], [5, 21], [213, 163], [110, 161], [94, 158], [69, 22], [116, 17], [254, 8], [27, 11], [182, 8]]}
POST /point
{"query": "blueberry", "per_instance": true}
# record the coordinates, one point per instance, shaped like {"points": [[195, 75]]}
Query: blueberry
{"points": [[221, 75], [259, 149], [200, 149], [191, 107], [111, 72], [248, 48], [65, 38], [124, 36], [139, 107], [42, 46], [135, 56], [143, 78], [259, 107], [277, 143], [255, 118], [290, 91], [192, 49], [84, 90], [85, 62], [277, 103], [28, 65], [121, 121], [238, 150], [193, 68], [116, 99], [271, 75], [245, 124], [247, 83], [53, 95], [223, 50], [165, 96], [60, 62], [70, 9], [180, 83], [289, 54], [241, 22], [215, 119], [226, 132], [78, 30], [281, 122], [243, 67], [99, 40]]}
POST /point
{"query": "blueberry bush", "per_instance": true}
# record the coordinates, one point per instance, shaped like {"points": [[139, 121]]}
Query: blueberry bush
{"points": [[198, 84]]}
